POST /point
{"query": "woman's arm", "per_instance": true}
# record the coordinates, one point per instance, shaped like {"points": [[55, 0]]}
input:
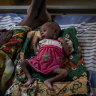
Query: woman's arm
{"points": [[25, 45]]}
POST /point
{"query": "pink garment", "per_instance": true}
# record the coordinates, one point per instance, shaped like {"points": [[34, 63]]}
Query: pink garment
{"points": [[48, 58]]}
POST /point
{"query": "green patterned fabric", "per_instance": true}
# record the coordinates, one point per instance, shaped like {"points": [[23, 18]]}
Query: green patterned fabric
{"points": [[74, 64]]}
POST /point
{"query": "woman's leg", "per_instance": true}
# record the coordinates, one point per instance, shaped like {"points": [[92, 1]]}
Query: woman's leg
{"points": [[60, 74], [36, 15], [24, 65]]}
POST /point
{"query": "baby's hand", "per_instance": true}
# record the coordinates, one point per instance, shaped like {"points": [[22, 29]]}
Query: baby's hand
{"points": [[65, 45], [35, 51], [62, 40]]}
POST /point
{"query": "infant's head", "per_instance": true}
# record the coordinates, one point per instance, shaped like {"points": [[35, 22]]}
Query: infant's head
{"points": [[50, 30]]}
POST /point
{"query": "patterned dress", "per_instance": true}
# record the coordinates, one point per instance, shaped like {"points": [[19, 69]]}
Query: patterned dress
{"points": [[49, 57]]}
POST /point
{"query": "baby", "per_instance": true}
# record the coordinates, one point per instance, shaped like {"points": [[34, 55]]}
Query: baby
{"points": [[49, 54]]}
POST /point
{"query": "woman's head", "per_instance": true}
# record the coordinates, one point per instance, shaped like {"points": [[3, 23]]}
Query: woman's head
{"points": [[50, 30]]}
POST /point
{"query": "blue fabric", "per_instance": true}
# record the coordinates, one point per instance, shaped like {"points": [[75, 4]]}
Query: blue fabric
{"points": [[92, 78], [74, 19]]}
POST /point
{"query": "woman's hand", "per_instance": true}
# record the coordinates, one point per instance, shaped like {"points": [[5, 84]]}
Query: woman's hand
{"points": [[22, 56]]}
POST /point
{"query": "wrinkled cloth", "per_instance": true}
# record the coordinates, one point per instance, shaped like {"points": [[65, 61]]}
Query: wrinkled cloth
{"points": [[14, 45], [5, 36]]}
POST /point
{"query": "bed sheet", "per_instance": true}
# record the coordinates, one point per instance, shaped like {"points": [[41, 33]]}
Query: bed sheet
{"points": [[86, 27]]}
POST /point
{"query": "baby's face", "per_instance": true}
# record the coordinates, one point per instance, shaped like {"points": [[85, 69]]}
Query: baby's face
{"points": [[49, 31]]}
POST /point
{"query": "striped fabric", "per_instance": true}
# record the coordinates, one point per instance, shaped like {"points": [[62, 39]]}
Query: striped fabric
{"points": [[9, 19], [87, 41]]}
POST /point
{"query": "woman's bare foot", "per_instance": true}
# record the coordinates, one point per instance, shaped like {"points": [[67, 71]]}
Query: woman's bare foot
{"points": [[36, 14], [46, 13], [29, 81], [48, 84], [40, 19]]}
